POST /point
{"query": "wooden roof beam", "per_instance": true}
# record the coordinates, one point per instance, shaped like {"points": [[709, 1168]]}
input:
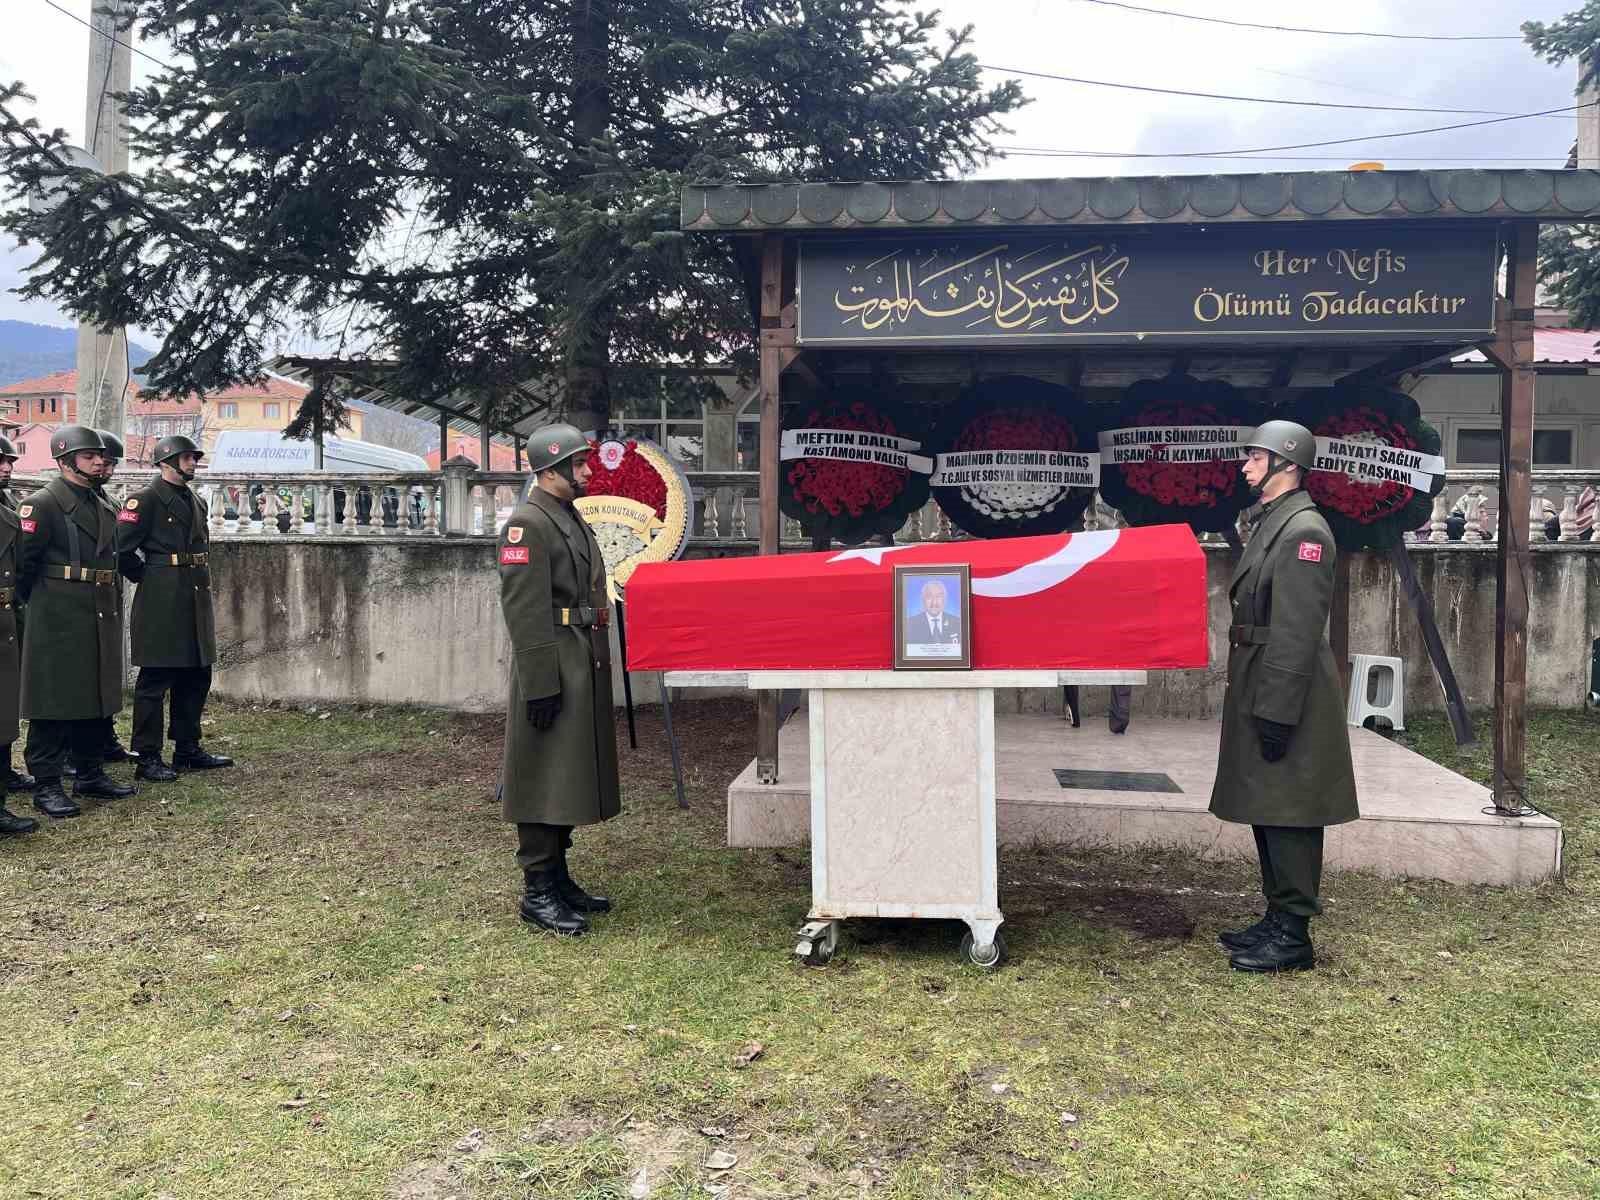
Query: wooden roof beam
{"points": [[1401, 362]]}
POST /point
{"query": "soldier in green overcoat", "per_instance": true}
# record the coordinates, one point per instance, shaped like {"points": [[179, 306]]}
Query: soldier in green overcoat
{"points": [[10, 657], [560, 763], [1284, 767], [11, 780], [72, 656], [111, 751], [163, 546]]}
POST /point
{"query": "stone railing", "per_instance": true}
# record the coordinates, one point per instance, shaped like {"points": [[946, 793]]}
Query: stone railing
{"points": [[1468, 510], [457, 501], [461, 501]]}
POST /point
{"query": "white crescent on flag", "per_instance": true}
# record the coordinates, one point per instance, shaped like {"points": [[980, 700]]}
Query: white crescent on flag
{"points": [[1030, 578], [1041, 575]]}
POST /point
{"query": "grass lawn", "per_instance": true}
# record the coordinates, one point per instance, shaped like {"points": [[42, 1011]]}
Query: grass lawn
{"points": [[304, 978]]}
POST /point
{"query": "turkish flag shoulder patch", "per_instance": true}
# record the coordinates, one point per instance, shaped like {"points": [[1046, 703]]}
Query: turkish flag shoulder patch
{"points": [[510, 555], [1311, 551], [28, 526], [128, 518]]}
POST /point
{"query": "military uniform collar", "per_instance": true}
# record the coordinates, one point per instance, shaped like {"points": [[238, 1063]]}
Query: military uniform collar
{"points": [[537, 495], [1261, 510], [73, 494]]}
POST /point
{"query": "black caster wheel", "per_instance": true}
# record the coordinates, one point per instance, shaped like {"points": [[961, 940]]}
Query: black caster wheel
{"points": [[986, 958], [817, 942]]}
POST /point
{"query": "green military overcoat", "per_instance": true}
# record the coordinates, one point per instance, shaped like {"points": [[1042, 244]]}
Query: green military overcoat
{"points": [[1281, 668], [10, 643], [72, 656], [567, 774], [174, 623]]}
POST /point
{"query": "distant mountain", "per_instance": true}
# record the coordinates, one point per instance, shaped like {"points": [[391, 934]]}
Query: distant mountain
{"points": [[27, 351]]}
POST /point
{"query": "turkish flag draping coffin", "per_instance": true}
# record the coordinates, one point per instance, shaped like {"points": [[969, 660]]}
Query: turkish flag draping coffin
{"points": [[1122, 598]]}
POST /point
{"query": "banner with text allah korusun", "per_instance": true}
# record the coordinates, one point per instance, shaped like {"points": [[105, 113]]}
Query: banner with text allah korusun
{"points": [[1250, 283]]}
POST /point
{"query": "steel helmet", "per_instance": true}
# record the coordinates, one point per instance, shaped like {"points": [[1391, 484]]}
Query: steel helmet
{"points": [[70, 439], [114, 447], [173, 445], [552, 445], [7, 448], [1287, 440]]}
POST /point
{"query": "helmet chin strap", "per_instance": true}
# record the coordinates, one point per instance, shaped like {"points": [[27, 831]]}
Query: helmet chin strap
{"points": [[565, 469], [1280, 463]]}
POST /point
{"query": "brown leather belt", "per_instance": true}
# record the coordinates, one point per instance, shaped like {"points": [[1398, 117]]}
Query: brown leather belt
{"points": [[79, 574], [599, 617], [1249, 635], [176, 560]]}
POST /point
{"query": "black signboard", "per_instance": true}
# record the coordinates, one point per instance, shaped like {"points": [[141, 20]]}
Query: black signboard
{"points": [[1252, 283]]}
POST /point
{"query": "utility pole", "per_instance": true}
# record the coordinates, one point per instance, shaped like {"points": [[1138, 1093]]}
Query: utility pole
{"points": [[103, 353], [1588, 120]]}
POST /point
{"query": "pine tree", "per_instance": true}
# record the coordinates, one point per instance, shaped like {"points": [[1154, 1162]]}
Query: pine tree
{"points": [[1569, 255], [485, 191]]}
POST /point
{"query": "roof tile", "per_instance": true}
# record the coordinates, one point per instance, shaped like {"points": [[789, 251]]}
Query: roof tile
{"points": [[1553, 195]]}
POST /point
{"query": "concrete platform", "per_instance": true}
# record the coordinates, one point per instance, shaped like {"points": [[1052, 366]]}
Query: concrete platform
{"points": [[1419, 820]]}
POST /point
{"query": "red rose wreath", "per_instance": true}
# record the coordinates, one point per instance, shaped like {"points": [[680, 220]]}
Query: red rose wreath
{"points": [[634, 477], [1208, 495], [1367, 514], [1014, 412], [850, 502]]}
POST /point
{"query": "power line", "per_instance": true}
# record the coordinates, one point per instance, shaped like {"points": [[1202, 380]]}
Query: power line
{"points": [[1137, 87], [1401, 37], [117, 40], [1371, 137], [1027, 152]]}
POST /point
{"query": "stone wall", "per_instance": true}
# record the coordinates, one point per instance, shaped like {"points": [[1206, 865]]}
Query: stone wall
{"points": [[418, 622]]}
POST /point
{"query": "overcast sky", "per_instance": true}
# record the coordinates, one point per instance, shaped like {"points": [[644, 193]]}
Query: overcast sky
{"points": [[49, 52]]}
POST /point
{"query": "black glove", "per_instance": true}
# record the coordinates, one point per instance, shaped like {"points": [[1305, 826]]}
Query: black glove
{"points": [[542, 713], [1274, 738]]}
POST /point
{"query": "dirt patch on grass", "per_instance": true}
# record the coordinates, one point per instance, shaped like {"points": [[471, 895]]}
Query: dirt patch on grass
{"points": [[893, 1118], [429, 1181]]}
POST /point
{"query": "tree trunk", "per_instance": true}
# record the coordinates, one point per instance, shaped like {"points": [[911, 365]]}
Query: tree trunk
{"points": [[588, 371]]}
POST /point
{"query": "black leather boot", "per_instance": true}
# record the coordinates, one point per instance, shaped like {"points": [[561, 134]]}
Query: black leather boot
{"points": [[152, 770], [196, 759], [49, 799], [17, 781], [115, 752], [101, 786], [577, 899], [543, 906], [10, 823], [1287, 948], [1251, 935]]}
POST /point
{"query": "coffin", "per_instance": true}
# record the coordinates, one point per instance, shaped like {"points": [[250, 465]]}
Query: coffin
{"points": [[1125, 599]]}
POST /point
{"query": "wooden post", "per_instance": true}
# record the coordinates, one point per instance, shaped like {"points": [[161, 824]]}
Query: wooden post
{"points": [[1513, 350], [771, 424]]}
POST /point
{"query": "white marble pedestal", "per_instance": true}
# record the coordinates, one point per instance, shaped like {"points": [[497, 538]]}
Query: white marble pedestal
{"points": [[902, 783], [903, 798]]}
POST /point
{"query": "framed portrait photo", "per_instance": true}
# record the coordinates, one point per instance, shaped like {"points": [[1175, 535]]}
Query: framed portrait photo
{"points": [[932, 617]]}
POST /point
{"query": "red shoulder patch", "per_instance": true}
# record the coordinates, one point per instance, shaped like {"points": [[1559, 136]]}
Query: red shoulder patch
{"points": [[28, 526], [128, 518], [1311, 551], [510, 555]]}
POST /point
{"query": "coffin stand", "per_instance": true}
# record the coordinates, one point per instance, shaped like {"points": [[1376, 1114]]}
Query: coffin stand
{"points": [[917, 840]]}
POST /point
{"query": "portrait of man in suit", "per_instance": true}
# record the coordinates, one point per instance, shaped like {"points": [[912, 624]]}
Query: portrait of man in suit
{"points": [[932, 627]]}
